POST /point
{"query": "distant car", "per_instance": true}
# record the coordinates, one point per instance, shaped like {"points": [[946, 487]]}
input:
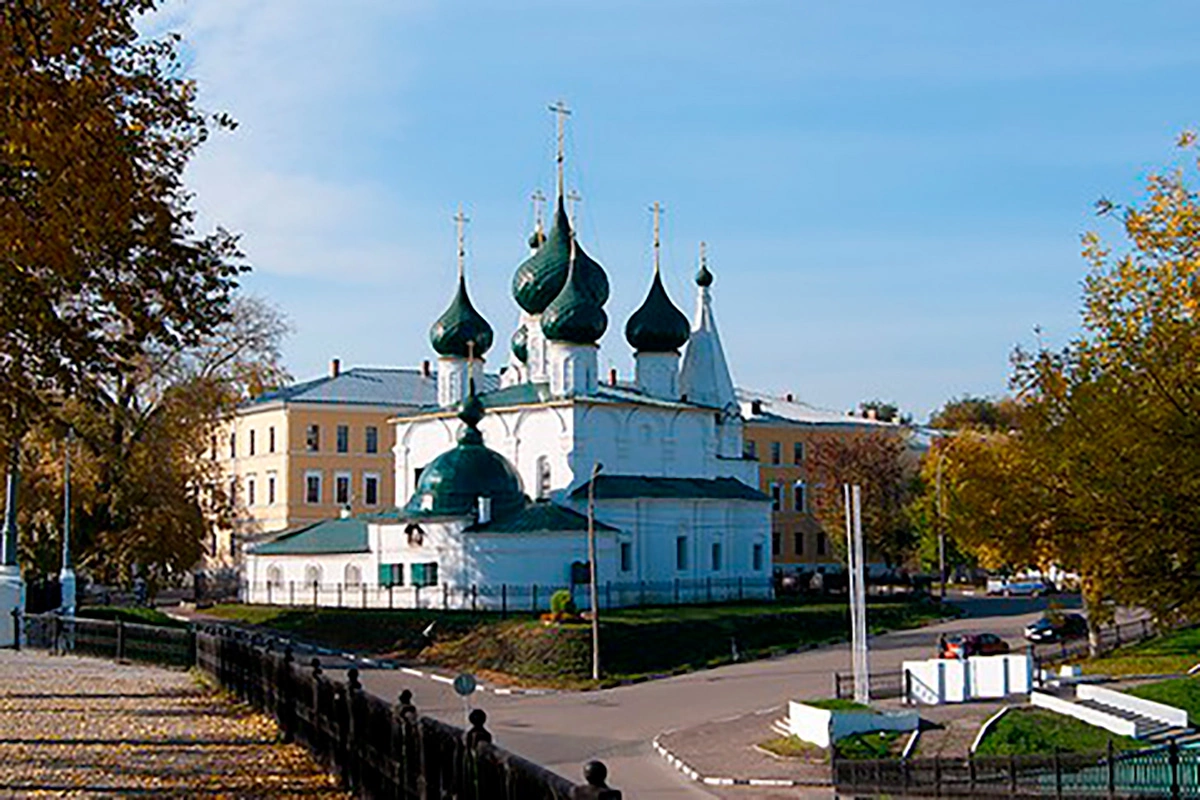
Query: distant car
{"points": [[1056, 628], [1021, 588], [973, 644]]}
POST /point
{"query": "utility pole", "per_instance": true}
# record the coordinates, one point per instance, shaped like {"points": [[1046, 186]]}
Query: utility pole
{"points": [[592, 590], [860, 658], [941, 531], [66, 578]]}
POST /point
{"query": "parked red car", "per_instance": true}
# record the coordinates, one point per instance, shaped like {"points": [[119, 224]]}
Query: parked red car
{"points": [[971, 644]]}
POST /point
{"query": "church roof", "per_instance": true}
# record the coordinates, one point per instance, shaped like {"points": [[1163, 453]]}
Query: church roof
{"points": [[373, 386], [316, 538], [657, 326], [460, 327], [540, 517], [452, 483], [622, 487], [543, 275]]}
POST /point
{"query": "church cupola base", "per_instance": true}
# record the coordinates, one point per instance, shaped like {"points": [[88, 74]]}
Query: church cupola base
{"points": [[657, 374], [573, 368], [452, 377]]}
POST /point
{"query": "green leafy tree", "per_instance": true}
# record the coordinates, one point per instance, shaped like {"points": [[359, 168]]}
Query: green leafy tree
{"points": [[976, 413]]}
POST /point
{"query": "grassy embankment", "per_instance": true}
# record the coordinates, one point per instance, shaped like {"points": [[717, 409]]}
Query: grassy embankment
{"points": [[1173, 653], [636, 644], [1179, 692], [1036, 731], [140, 616]]}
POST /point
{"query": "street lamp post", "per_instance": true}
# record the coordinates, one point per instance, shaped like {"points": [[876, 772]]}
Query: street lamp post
{"points": [[592, 590], [66, 578], [12, 587]]}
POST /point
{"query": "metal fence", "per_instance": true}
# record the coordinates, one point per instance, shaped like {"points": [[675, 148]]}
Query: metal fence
{"points": [[1164, 772], [117, 639], [379, 749], [883, 685], [505, 597]]}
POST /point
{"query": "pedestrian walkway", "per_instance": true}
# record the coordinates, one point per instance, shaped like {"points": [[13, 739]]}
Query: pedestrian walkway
{"points": [[88, 727]]}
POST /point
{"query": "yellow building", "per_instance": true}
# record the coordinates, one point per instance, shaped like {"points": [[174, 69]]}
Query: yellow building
{"points": [[779, 434], [305, 452]]}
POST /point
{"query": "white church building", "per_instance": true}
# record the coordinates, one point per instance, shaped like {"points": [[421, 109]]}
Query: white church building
{"points": [[492, 488]]}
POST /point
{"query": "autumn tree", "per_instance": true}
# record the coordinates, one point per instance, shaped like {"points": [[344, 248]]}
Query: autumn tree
{"points": [[99, 263], [878, 461], [115, 313], [976, 413]]}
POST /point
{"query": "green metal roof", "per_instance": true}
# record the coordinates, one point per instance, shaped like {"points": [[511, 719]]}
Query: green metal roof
{"points": [[542, 276], [633, 487], [657, 326], [460, 327], [326, 536], [541, 517]]}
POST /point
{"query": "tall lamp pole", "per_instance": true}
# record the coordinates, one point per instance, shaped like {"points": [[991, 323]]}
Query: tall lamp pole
{"points": [[66, 578], [12, 587], [592, 590], [941, 530]]}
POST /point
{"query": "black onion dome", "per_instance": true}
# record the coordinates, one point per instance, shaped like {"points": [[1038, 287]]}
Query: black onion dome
{"points": [[542, 276], [703, 276], [574, 316], [459, 325], [520, 344], [657, 326]]}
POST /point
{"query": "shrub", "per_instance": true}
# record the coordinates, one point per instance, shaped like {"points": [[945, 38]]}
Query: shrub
{"points": [[561, 603]]}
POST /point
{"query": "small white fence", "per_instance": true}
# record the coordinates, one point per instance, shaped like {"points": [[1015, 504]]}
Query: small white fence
{"points": [[936, 681]]}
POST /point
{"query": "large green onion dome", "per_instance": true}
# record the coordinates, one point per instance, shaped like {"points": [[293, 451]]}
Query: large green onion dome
{"points": [[461, 324], [520, 344], [574, 316], [657, 326], [542, 276], [452, 483]]}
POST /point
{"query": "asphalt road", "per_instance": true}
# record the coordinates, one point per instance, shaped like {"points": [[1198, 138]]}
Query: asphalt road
{"points": [[564, 730]]}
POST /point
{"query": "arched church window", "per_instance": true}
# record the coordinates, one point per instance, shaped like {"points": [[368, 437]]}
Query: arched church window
{"points": [[543, 477], [275, 576], [353, 575], [312, 574]]}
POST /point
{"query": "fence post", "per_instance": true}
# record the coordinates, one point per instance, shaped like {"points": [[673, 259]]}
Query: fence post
{"points": [[316, 587], [339, 590], [391, 596], [1057, 774], [1173, 760], [1012, 774], [269, 587], [740, 597], [971, 770], [120, 639], [837, 685], [291, 593], [708, 588], [287, 705], [1112, 771], [16, 615], [364, 594], [416, 595], [677, 591], [445, 596], [533, 607], [1117, 633], [503, 600], [474, 596], [937, 776], [608, 594]]}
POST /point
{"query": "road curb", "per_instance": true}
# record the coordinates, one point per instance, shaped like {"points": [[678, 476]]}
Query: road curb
{"points": [[714, 780]]}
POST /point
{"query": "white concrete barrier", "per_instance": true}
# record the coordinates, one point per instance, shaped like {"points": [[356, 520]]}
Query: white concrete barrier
{"points": [[1092, 716], [951, 680], [823, 727], [1161, 712]]}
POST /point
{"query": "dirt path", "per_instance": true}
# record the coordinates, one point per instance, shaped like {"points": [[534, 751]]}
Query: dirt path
{"points": [[87, 727]]}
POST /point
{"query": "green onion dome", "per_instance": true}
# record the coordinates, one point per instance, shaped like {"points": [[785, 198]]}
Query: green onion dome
{"points": [[657, 326], [703, 276], [574, 316], [520, 344], [542, 276], [461, 324], [452, 483]]}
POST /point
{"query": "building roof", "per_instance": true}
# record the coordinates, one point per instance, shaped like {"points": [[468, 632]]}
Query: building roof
{"points": [[540, 517], [632, 487], [704, 376], [368, 386], [758, 407], [316, 538]]}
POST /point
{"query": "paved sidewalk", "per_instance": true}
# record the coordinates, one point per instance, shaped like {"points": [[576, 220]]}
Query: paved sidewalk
{"points": [[88, 727]]}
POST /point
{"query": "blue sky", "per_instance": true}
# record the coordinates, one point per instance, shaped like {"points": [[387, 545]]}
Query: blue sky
{"points": [[892, 193]]}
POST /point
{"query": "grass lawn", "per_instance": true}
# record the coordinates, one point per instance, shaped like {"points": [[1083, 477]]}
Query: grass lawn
{"points": [[1179, 692], [793, 747], [836, 704], [141, 616], [1036, 731], [876, 744], [635, 643], [1172, 653]]}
